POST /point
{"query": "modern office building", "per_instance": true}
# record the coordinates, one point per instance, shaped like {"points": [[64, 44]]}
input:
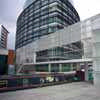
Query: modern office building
{"points": [[3, 37], [43, 17], [3, 50], [82, 38], [73, 48]]}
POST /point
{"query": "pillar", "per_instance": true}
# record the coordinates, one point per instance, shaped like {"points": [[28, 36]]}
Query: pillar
{"points": [[78, 66], [71, 65], [86, 72], [34, 57], [60, 67], [49, 67]]}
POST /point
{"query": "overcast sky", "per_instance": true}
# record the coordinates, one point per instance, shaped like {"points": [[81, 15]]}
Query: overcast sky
{"points": [[10, 9]]}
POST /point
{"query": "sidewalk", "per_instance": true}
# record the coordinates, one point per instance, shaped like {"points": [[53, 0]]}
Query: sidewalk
{"points": [[72, 91]]}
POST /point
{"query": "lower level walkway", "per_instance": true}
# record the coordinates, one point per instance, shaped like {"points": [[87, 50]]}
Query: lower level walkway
{"points": [[72, 91]]}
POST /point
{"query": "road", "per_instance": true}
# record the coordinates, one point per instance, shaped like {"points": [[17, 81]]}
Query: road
{"points": [[72, 91]]}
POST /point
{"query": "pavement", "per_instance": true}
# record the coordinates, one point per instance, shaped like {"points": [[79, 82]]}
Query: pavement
{"points": [[71, 91]]}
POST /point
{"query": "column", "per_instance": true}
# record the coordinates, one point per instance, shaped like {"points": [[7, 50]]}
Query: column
{"points": [[49, 67], [60, 67], [71, 65], [34, 57], [86, 72], [78, 66]]}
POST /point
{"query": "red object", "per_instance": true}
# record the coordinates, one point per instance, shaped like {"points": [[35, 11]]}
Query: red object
{"points": [[11, 57]]}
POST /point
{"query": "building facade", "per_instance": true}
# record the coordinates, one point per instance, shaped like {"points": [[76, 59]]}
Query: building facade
{"points": [[86, 34], [3, 61], [43, 17], [3, 37]]}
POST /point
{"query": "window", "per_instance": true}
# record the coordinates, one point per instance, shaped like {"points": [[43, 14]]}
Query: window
{"points": [[44, 2], [51, 29], [51, 20]]}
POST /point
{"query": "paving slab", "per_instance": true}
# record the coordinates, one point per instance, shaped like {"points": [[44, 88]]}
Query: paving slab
{"points": [[72, 91]]}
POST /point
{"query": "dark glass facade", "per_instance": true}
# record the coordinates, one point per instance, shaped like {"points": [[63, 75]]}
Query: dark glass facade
{"points": [[43, 17], [3, 64]]}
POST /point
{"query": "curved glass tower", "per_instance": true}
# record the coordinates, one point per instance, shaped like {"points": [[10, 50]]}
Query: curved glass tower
{"points": [[42, 17]]}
